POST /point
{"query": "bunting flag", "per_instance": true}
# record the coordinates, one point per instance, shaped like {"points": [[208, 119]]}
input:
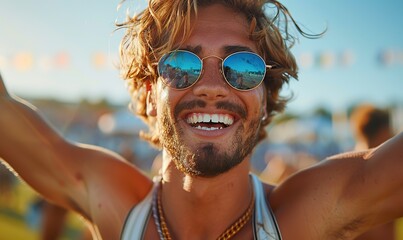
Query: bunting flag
{"points": [[306, 60], [347, 58], [23, 61], [26, 61], [45, 63], [326, 60], [390, 57], [99, 60], [62, 60]]}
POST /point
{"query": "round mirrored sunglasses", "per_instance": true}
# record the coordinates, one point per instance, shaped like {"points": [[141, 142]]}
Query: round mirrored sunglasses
{"points": [[243, 71]]}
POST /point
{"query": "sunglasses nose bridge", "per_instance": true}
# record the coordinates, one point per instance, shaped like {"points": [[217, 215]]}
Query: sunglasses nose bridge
{"points": [[213, 56], [219, 63]]}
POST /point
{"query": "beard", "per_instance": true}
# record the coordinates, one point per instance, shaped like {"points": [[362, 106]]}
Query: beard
{"points": [[207, 159]]}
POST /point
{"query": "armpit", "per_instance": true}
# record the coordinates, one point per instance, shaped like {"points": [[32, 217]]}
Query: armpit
{"points": [[349, 230]]}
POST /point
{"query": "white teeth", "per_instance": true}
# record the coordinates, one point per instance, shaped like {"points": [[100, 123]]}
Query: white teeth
{"points": [[207, 118], [208, 128], [228, 120], [214, 118], [199, 118], [221, 118]]}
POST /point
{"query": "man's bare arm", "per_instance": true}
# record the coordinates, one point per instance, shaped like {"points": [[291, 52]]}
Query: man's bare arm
{"points": [[343, 196], [61, 171], [370, 186]]}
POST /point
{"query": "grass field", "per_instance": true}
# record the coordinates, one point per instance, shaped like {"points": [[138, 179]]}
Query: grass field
{"points": [[19, 222], [399, 229]]}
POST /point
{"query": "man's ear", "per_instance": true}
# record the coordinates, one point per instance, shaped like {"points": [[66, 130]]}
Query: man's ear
{"points": [[151, 107]]}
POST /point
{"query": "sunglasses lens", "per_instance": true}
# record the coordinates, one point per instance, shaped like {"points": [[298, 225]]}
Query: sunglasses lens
{"points": [[179, 69], [244, 70]]}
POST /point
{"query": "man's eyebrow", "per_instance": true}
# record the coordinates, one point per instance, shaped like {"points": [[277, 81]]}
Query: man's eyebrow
{"points": [[194, 49], [236, 48]]}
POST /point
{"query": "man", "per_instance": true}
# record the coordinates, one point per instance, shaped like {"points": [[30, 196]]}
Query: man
{"points": [[207, 132]]}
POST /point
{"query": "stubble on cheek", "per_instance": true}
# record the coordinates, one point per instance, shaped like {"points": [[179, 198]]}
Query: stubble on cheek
{"points": [[170, 140]]}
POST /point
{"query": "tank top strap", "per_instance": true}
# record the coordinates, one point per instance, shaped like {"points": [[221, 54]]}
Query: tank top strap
{"points": [[264, 222], [137, 218]]}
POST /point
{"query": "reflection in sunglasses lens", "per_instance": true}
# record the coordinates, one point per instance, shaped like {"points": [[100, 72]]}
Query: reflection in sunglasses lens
{"points": [[244, 70], [179, 69]]}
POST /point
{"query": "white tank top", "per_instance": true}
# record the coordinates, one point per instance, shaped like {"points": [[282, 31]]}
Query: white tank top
{"points": [[264, 222]]}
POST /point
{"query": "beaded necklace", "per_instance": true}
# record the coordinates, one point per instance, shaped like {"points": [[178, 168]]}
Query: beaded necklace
{"points": [[163, 230]]}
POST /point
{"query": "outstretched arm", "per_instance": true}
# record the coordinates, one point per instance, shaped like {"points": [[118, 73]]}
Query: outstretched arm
{"points": [[63, 172], [343, 196]]}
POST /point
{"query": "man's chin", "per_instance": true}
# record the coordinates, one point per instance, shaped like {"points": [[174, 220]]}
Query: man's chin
{"points": [[209, 161]]}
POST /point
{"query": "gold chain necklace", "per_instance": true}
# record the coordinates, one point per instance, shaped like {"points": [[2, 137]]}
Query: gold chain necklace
{"points": [[163, 228]]}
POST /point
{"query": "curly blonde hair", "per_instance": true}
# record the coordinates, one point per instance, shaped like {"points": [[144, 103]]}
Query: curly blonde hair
{"points": [[155, 31]]}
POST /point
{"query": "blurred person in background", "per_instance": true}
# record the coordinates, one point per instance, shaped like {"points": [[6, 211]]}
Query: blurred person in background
{"points": [[281, 165], [54, 221], [371, 127], [207, 132]]}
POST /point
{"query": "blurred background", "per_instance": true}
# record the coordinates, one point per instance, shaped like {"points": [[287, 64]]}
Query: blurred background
{"points": [[62, 56]]}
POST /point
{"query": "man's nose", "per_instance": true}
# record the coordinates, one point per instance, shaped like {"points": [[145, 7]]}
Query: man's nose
{"points": [[211, 84]]}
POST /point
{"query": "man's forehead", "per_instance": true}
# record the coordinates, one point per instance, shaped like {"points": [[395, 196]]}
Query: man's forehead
{"points": [[217, 30], [219, 12]]}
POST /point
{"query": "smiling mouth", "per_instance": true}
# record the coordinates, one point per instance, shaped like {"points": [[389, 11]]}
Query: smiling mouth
{"points": [[209, 122]]}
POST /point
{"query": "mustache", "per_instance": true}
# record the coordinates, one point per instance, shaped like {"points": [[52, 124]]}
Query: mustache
{"points": [[232, 107]]}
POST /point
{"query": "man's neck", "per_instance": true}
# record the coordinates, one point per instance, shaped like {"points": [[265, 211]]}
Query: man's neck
{"points": [[194, 206]]}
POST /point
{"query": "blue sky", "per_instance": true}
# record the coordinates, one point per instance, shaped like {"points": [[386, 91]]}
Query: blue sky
{"points": [[78, 36], [366, 29]]}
